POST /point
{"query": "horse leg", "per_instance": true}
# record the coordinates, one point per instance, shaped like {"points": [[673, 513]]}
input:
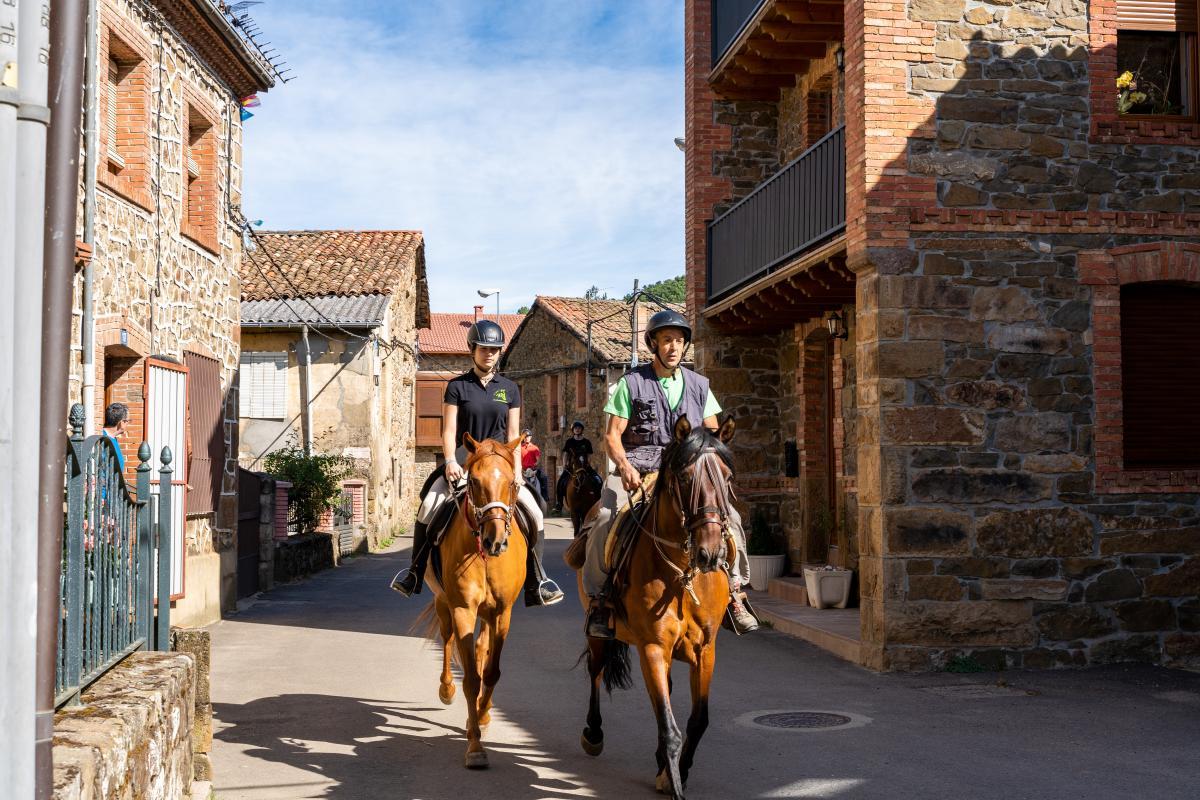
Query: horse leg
{"points": [[483, 643], [464, 637], [446, 681], [498, 626], [592, 738], [702, 674], [656, 671]]}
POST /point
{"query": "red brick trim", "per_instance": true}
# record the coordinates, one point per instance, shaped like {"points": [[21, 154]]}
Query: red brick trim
{"points": [[1106, 271], [986, 220], [199, 215], [1109, 127], [130, 181]]}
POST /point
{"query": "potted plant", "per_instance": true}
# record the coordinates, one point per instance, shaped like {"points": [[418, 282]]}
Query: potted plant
{"points": [[827, 586], [764, 548]]}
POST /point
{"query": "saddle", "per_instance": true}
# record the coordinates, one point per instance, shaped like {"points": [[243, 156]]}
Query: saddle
{"points": [[621, 533]]}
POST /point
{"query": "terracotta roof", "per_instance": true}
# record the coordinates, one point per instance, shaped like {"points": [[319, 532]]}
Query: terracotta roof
{"points": [[447, 333], [611, 331]]}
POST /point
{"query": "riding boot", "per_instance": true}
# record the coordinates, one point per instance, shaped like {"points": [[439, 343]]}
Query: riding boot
{"points": [[599, 619], [408, 582], [539, 589]]}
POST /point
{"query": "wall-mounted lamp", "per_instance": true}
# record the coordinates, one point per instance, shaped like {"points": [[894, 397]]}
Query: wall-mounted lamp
{"points": [[840, 57], [837, 326], [681, 143]]}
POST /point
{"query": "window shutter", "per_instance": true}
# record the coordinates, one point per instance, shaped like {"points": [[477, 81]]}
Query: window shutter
{"points": [[430, 392], [264, 385], [1160, 375], [114, 96], [207, 463], [1157, 15]]}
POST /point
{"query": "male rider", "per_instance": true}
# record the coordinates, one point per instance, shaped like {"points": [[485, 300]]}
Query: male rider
{"points": [[642, 414], [575, 446]]}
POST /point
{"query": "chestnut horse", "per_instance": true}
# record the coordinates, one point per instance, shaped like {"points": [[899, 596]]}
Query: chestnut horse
{"points": [[483, 572], [583, 490], [672, 596]]}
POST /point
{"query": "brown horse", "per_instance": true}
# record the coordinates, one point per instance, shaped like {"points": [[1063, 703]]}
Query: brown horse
{"points": [[672, 596], [483, 572], [583, 490]]}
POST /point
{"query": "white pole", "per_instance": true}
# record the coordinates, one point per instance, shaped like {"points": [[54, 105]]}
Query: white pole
{"points": [[22, 341], [18, 589], [91, 136]]}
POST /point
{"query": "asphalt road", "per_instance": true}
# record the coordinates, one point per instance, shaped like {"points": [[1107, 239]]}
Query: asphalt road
{"points": [[321, 690]]}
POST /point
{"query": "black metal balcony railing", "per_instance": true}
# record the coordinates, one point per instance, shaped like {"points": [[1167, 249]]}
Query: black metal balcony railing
{"points": [[793, 210], [729, 17], [107, 596]]}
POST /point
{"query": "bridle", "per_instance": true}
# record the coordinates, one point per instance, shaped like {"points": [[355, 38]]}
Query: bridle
{"points": [[477, 515], [691, 520]]}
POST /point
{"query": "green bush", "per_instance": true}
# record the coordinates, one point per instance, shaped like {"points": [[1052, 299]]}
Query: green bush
{"points": [[763, 539], [316, 482]]}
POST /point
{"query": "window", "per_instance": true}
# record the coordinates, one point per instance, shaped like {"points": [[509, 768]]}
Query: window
{"points": [[581, 388], [199, 217], [1156, 57], [206, 463], [430, 394], [124, 119], [552, 399], [1160, 375], [264, 385]]}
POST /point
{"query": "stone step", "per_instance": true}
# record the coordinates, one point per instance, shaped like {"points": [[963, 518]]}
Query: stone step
{"points": [[202, 790], [835, 630], [789, 588]]}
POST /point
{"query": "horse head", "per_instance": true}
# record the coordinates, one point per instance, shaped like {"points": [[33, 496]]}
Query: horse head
{"points": [[698, 468], [491, 495]]}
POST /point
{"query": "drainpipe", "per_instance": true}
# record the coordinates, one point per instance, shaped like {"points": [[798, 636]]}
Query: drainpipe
{"points": [[633, 345], [61, 186], [18, 590], [305, 408], [91, 136]]}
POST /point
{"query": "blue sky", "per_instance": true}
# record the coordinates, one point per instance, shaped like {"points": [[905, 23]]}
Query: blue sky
{"points": [[530, 139]]}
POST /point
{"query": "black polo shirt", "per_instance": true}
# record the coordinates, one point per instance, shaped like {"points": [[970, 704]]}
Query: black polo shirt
{"points": [[577, 447], [482, 410]]}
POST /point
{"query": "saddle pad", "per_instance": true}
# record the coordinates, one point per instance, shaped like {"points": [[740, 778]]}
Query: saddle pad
{"points": [[624, 527]]}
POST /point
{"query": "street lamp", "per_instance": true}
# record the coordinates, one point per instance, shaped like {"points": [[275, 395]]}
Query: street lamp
{"points": [[486, 293], [837, 326]]}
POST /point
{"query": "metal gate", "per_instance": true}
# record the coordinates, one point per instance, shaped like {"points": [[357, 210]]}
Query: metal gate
{"points": [[249, 495]]}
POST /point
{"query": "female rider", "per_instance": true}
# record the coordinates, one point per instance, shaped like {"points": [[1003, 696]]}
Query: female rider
{"points": [[486, 405]]}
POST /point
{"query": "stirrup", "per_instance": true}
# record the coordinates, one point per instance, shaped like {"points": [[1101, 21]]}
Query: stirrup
{"points": [[407, 582], [545, 593], [739, 615]]}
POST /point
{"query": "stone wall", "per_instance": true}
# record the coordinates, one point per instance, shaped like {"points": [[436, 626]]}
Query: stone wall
{"points": [[303, 554], [158, 290], [979, 366], [132, 737]]}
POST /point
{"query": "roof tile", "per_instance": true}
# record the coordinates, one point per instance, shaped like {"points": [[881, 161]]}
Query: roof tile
{"points": [[447, 333]]}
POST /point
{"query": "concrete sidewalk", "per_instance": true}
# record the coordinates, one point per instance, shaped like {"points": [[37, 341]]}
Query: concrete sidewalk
{"points": [[321, 691]]}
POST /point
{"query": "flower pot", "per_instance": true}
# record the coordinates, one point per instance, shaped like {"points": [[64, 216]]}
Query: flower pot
{"points": [[827, 587], [763, 568]]}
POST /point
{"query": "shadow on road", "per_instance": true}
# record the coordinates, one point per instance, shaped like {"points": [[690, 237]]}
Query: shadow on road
{"points": [[370, 748]]}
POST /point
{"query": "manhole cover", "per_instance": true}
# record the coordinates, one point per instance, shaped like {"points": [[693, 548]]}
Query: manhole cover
{"points": [[799, 721], [802, 719]]}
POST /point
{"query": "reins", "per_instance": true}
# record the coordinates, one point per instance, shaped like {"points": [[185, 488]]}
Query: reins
{"points": [[480, 514]]}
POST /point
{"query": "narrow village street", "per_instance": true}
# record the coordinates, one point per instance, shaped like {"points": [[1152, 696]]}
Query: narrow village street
{"points": [[322, 690]]}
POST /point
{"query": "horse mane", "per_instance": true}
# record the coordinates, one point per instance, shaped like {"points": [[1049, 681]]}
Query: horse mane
{"points": [[679, 455]]}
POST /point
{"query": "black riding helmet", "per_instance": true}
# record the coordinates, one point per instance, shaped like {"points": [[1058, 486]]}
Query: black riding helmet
{"points": [[577, 424], [485, 333], [667, 318]]}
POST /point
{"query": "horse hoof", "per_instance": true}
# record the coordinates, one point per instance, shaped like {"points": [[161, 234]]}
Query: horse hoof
{"points": [[590, 747], [446, 694], [477, 760]]}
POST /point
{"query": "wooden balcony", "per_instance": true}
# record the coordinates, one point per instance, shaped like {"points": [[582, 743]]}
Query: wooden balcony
{"points": [[760, 46]]}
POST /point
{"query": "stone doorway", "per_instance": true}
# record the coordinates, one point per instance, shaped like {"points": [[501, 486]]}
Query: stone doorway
{"points": [[817, 467]]}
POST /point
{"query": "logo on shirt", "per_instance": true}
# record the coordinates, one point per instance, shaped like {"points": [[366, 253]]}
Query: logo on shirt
{"points": [[501, 396]]}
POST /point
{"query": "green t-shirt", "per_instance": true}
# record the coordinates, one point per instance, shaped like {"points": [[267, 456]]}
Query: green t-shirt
{"points": [[618, 403]]}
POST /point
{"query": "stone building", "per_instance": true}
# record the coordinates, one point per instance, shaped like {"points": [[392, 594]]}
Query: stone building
{"points": [[998, 429], [560, 380], [165, 267], [443, 354], [362, 296]]}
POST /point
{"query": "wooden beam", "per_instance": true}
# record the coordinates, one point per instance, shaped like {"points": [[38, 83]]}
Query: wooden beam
{"points": [[769, 48], [757, 65], [807, 12], [744, 79], [809, 32]]}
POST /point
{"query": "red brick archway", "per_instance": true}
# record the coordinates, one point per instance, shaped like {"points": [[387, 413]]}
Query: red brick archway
{"points": [[1107, 271]]}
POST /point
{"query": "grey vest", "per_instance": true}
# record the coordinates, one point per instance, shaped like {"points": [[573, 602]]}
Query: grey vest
{"points": [[651, 422]]}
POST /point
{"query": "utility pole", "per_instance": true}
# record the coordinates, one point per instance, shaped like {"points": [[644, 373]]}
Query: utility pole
{"points": [[633, 326]]}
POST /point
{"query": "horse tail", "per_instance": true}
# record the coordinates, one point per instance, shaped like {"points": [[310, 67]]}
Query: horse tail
{"points": [[426, 625], [614, 659]]}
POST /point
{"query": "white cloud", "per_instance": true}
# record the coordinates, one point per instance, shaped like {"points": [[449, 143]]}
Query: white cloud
{"points": [[537, 158]]}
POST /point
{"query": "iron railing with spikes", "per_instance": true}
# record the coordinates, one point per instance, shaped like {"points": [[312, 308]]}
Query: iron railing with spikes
{"points": [[111, 602]]}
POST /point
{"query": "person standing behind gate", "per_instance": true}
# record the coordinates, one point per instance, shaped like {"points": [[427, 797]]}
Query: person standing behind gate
{"points": [[574, 447], [116, 420]]}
